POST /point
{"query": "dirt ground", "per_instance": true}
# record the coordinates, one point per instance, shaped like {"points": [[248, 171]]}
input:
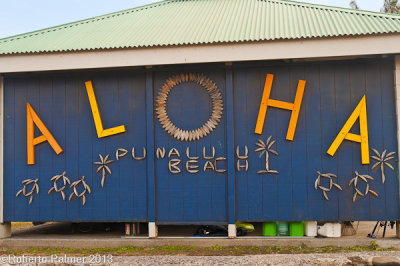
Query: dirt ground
{"points": [[26, 229]]}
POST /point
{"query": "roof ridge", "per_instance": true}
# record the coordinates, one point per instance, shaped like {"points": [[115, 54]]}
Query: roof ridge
{"points": [[344, 9], [144, 26], [164, 2], [86, 20]]}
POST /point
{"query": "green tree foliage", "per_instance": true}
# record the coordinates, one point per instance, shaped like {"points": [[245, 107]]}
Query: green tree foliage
{"points": [[353, 4], [389, 6]]}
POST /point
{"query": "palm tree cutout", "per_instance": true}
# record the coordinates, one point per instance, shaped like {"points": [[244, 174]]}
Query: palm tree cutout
{"points": [[75, 193], [382, 160], [358, 193], [55, 188], [325, 190], [266, 148], [103, 167], [35, 187]]}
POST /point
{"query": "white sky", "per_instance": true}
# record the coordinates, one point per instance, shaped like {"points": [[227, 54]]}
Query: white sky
{"points": [[20, 16]]}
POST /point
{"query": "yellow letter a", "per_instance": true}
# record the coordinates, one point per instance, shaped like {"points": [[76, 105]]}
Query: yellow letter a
{"points": [[31, 118], [101, 132], [361, 113]]}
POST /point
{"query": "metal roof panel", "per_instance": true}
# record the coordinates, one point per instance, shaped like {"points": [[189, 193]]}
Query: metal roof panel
{"points": [[183, 22]]}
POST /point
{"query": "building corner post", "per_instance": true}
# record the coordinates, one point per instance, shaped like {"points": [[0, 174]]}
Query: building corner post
{"points": [[5, 228], [397, 93]]}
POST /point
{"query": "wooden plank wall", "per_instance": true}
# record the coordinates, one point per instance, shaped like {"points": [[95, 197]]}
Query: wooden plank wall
{"points": [[133, 193], [62, 103], [185, 197], [333, 90]]}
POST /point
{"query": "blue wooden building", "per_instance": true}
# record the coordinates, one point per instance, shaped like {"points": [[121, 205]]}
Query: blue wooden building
{"points": [[203, 112]]}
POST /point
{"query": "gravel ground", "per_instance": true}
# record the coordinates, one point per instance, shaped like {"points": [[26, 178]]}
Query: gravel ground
{"points": [[356, 258]]}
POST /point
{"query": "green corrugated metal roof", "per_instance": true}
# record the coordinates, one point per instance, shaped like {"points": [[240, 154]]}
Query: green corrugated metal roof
{"points": [[183, 22]]}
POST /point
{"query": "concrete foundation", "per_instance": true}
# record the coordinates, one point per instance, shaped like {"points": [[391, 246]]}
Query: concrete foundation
{"points": [[5, 230], [153, 230], [232, 231]]}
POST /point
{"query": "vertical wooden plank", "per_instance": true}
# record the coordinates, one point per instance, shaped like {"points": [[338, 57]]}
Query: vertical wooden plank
{"points": [[9, 185], [241, 124], [59, 131], [150, 146], [344, 154], [204, 179], [397, 104], [71, 140], [314, 142], [100, 206], [161, 169], [357, 90], [33, 171], [329, 130], [140, 120], [176, 180], [2, 149], [44, 153], [218, 138], [124, 164], [230, 143], [389, 140], [111, 118], [284, 92], [20, 172], [254, 180], [269, 181], [193, 98], [299, 150], [375, 136], [86, 156]]}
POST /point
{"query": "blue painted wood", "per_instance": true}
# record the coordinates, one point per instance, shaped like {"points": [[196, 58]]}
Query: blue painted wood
{"points": [[329, 130], [219, 202], [139, 130], [230, 141], [9, 150], [44, 109], [315, 150], [59, 129], [150, 146], [344, 155], [111, 118], [185, 196], [299, 151], [357, 91], [389, 141], [21, 209], [254, 181], [376, 138], [86, 157], [283, 146], [100, 206], [269, 181], [71, 149], [189, 121], [241, 140], [133, 193]]}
